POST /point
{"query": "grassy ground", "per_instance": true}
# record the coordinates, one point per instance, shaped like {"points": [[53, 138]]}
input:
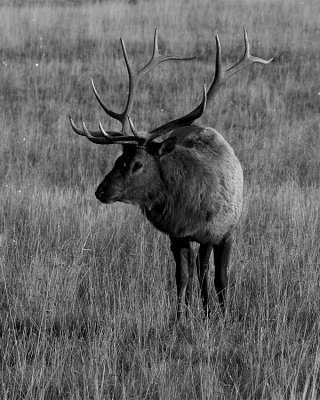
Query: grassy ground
{"points": [[87, 292]]}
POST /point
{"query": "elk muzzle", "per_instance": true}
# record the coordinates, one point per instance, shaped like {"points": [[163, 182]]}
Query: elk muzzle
{"points": [[100, 194], [106, 195]]}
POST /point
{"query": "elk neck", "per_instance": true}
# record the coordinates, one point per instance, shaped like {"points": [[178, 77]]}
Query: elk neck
{"points": [[171, 195]]}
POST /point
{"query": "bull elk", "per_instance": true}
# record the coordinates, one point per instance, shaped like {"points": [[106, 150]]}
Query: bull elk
{"points": [[189, 185]]}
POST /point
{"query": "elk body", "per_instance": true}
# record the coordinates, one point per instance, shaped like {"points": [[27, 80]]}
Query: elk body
{"points": [[189, 185]]}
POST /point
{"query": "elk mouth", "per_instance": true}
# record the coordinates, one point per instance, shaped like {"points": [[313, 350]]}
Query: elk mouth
{"points": [[105, 197]]}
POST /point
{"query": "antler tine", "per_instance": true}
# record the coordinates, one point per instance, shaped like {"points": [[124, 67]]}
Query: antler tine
{"points": [[104, 133], [155, 43], [158, 58], [94, 136], [220, 78], [103, 137], [123, 116], [120, 139], [74, 127], [94, 139], [126, 58], [107, 110], [83, 132], [133, 129]]}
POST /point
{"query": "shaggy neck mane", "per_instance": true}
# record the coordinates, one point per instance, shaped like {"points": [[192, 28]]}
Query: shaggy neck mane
{"points": [[166, 197]]}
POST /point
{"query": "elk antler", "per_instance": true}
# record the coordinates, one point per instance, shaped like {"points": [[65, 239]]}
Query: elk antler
{"points": [[220, 78], [103, 137]]}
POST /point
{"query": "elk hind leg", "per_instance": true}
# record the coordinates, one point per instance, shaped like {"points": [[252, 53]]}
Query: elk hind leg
{"points": [[191, 265], [222, 253], [203, 269]]}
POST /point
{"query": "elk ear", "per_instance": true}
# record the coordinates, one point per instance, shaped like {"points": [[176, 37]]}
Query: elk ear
{"points": [[167, 146]]}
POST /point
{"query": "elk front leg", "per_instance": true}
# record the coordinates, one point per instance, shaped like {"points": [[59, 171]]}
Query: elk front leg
{"points": [[182, 253], [203, 268], [222, 253], [191, 265]]}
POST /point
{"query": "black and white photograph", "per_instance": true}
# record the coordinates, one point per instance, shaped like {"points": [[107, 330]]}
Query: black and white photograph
{"points": [[159, 199]]}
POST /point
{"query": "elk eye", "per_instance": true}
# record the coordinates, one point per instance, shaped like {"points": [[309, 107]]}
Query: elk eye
{"points": [[137, 165]]}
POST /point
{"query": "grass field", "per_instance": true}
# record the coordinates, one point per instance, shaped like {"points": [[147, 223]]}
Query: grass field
{"points": [[87, 292]]}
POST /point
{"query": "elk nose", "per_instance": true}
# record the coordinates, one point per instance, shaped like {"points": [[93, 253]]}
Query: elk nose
{"points": [[99, 193]]}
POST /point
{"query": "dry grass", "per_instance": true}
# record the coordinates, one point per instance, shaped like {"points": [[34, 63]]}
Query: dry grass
{"points": [[87, 292]]}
